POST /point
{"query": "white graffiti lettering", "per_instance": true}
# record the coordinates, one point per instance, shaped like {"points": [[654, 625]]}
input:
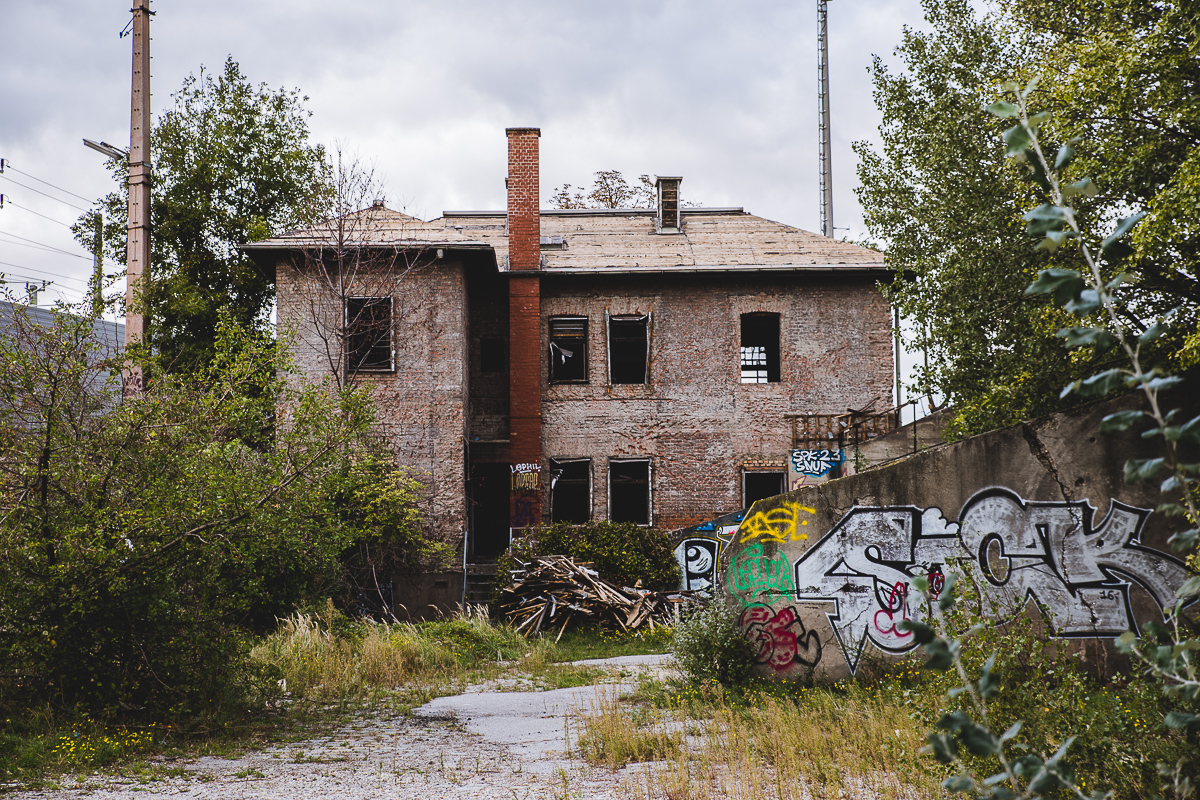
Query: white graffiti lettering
{"points": [[1017, 550], [816, 462]]}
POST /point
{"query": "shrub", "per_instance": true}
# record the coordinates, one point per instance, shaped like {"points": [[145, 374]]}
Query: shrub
{"points": [[145, 540], [710, 647]]}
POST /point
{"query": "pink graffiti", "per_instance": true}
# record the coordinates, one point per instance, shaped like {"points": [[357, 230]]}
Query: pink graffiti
{"points": [[895, 605], [780, 639]]}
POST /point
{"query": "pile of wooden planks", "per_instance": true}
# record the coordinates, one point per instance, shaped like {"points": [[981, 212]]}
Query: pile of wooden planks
{"points": [[556, 589]]}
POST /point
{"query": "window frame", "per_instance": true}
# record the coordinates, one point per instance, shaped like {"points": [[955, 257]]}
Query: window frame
{"points": [[770, 370], [623, 318], [649, 523], [783, 482], [351, 348], [551, 346], [555, 478]]}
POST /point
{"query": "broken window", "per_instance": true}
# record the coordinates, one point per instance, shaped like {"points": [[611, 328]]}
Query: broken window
{"points": [[629, 349], [629, 491], [571, 490], [759, 485], [568, 349], [368, 334], [491, 354], [760, 348]]}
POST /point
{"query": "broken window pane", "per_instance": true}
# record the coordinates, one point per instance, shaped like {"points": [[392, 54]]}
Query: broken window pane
{"points": [[568, 349], [759, 485], [571, 490], [760, 348], [628, 349], [368, 333], [629, 491]]}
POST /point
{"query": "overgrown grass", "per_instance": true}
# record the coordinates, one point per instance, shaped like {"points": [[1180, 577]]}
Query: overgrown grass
{"points": [[581, 644], [792, 742]]}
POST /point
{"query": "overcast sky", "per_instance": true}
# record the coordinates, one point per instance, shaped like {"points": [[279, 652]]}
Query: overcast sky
{"points": [[722, 93]]}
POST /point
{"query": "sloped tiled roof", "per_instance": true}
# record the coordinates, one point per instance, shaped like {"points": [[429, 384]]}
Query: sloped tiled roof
{"points": [[617, 241]]}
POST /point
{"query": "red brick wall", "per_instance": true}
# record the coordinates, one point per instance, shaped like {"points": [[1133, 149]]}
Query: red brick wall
{"points": [[524, 309], [696, 422]]}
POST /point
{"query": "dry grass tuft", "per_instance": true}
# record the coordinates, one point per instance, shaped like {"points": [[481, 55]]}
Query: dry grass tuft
{"points": [[821, 744]]}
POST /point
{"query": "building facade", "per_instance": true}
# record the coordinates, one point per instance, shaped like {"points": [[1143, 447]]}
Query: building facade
{"points": [[571, 365]]}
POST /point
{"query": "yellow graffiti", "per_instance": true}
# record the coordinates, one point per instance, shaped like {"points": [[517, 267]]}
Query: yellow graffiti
{"points": [[777, 525], [525, 480]]}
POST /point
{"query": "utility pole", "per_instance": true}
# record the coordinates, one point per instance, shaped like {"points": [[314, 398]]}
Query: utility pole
{"points": [[826, 156], [137, 254]]}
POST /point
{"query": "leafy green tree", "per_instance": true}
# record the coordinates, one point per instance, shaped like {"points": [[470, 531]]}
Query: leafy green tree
{"points": [[144, 541], [232, 163], [947, 206]]}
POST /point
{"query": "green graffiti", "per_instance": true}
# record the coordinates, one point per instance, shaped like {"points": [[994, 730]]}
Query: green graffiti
{"points": [[756, 578]]}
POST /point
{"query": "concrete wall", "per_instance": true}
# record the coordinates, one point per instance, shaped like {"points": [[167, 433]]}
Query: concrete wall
{"points": [[696, 422], [821, 576]]}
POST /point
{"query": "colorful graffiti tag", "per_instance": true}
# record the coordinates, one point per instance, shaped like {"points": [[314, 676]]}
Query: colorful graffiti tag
{"points": [[810, 467], [1079, 571], [754, 577], [779, 638], [699, 552], [777, 525]]}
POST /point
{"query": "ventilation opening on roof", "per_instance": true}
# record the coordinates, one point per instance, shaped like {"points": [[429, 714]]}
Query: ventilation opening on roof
{"points": [[668, 204], [552, 243]]}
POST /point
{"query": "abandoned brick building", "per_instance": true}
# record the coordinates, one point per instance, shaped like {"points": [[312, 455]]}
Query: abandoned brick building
{"points": [[623, 364]]}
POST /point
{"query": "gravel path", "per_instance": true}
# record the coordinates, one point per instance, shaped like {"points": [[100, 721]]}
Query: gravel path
{"points": [[481, 744]]}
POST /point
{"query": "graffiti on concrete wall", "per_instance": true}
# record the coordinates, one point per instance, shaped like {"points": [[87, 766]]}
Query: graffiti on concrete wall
{"points": [[810, 467], [778, 525], [699, 551], [757, 578], [779, 638], [1079, 571]]}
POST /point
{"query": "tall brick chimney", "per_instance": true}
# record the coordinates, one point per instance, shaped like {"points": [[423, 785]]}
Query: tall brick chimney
{"points": [[524, 327]]}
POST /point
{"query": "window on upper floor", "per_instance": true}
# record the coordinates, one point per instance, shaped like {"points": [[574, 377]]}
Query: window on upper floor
{"points": [[571, 490], [629, 349], [568, 350], [760, 348], [757, 485], [368, 334], [629, 490]]}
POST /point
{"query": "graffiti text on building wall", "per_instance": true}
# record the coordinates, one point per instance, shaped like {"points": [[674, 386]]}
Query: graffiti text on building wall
{"points": [[776, 525], [755, 577], [1016, 550], [815, 462]]}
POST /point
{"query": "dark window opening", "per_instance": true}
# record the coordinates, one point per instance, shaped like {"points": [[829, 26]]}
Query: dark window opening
{"points": [[760, 485], [628, 349], [629, 491], [571, 490], [568, 350], [368, 333], [491, 355], [760, 348]]}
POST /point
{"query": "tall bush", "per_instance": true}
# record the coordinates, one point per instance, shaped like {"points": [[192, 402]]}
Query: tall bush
{"points": [[145, 539], [622, 552]]}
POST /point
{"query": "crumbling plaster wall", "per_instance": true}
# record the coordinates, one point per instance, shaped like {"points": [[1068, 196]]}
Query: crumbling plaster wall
{"points": [[694, 419], [421, 404], [1038, 511]]}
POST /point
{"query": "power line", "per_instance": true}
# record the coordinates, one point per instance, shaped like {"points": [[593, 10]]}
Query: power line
{"points": [[58, 275], [43, 216], [4, 164], [43, 246], [43, 194]]}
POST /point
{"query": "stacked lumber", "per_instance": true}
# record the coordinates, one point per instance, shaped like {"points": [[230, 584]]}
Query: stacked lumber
{"points": [[556, 589]]}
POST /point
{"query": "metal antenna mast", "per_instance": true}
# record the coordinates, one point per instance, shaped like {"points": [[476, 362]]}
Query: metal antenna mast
{"points": [[826, 181]]}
